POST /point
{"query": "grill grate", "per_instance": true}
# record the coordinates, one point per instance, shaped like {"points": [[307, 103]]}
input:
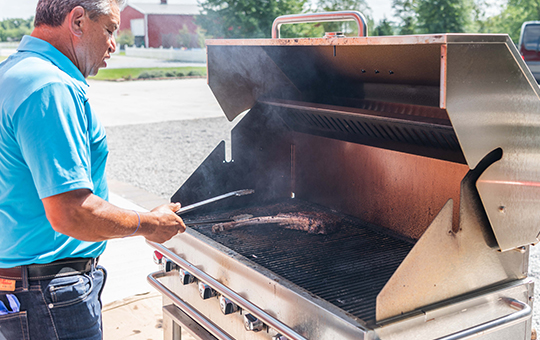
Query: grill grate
{"points": [[347, 268]]}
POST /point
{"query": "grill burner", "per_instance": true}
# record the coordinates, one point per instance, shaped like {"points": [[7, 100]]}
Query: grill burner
{"points": [[347, 268]]}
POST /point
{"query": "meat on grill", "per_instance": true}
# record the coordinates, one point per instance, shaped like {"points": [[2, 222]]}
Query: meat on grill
{"points": [[312, 222]]}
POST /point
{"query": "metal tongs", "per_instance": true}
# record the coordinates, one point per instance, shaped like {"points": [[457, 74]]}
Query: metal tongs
{"points": [[194, 206]]}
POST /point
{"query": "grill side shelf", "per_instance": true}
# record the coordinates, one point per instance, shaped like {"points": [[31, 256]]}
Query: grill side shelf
{"points": [[503, 312], [524, 312]]}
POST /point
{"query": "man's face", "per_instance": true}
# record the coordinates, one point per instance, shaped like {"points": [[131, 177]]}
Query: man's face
{"points": [[98, 42]]}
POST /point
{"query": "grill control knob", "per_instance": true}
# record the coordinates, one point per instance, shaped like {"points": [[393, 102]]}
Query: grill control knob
{"points": [[157, 257], [206, 291], [253, 324], [168, 265], [279, 337], [227, 306], [185, 277]]}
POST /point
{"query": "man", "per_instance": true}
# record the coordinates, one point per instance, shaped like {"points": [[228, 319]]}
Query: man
{"points": [[54, 214]]}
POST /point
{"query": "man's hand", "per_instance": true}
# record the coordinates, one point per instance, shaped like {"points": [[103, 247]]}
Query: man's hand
{"points": [[169, 224], [84, 216]]}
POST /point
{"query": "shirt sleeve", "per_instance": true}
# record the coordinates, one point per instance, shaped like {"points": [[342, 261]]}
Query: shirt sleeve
{"points": [[51, 129]]}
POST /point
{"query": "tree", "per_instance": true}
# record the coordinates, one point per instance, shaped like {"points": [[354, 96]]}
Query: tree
{"points": [[15, 29], [307, 30], [344, 5], [435, 16], [529, 8], [443, 16], [405, 10], [185, 37], [346, 27], [244, 18], [408, 27], [512, 16], [384, 28], [191, 40], [125, 38]]}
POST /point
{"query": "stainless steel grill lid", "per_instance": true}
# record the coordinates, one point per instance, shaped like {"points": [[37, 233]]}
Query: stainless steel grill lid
{"points": [[454, 97]]}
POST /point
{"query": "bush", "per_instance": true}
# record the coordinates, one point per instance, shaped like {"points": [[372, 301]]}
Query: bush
{"points": [[124, 38], [194, 74], [144, 75], [188, 39], [15, 29], [151, 74], [174, 73]]}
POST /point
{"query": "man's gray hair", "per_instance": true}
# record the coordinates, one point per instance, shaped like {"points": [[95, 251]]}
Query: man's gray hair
{"points": [[54, 12]]}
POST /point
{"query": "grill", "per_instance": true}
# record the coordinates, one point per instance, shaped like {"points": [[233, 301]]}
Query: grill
{"points": [[416, 159]]}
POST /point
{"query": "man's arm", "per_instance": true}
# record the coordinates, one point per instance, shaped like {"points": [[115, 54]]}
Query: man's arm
{"points": [[85, 216]]}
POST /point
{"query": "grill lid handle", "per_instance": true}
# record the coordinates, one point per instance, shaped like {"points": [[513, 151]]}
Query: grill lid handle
{"points": [[320, 17]]}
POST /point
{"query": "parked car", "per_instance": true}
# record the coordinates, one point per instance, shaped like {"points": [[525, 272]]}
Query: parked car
{"points": [[529, 45]]}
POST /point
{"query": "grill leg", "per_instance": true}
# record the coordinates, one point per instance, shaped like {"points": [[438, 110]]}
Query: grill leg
{"points": [[171, 330], [177, 331]]}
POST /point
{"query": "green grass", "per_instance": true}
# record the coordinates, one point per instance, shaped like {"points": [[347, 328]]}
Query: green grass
{"points": [[2, 58], [135, 73]]}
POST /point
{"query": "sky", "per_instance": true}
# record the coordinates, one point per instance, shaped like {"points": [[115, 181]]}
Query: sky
{"points": [[25, 8]]}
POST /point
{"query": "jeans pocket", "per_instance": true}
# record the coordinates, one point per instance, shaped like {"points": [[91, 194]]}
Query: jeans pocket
{"points": [[65, 291], [14, 326], [77, 311]]}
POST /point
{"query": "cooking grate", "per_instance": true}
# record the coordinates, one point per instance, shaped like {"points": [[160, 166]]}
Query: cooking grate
{"points": [[347, 268]]}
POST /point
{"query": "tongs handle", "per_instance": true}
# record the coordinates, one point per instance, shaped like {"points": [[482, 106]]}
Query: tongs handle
{"points": [[194, 206]]}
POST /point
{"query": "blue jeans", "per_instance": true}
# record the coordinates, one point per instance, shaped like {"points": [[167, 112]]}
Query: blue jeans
{"points": [[62, 308]]}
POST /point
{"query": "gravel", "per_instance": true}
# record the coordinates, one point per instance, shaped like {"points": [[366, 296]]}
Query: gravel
{"points": [[159, 157]]}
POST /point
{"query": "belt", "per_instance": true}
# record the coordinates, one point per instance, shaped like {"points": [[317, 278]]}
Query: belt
{"points": [[64, 267]]}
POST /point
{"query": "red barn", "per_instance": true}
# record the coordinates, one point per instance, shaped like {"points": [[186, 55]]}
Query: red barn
{"points": [[156, 25]]}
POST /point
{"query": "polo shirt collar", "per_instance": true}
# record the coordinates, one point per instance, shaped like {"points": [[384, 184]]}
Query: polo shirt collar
{"points": [[48, 51]]}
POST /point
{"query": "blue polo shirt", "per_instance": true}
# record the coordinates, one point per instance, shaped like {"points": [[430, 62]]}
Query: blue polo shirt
{"points": [[50, 143]]}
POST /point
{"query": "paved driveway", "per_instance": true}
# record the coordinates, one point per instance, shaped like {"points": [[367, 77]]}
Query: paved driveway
{"points": [[118, 61], [152, 101]]}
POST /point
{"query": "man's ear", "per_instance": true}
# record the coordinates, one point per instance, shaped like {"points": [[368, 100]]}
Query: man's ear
{"points": [[77, 19]]}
